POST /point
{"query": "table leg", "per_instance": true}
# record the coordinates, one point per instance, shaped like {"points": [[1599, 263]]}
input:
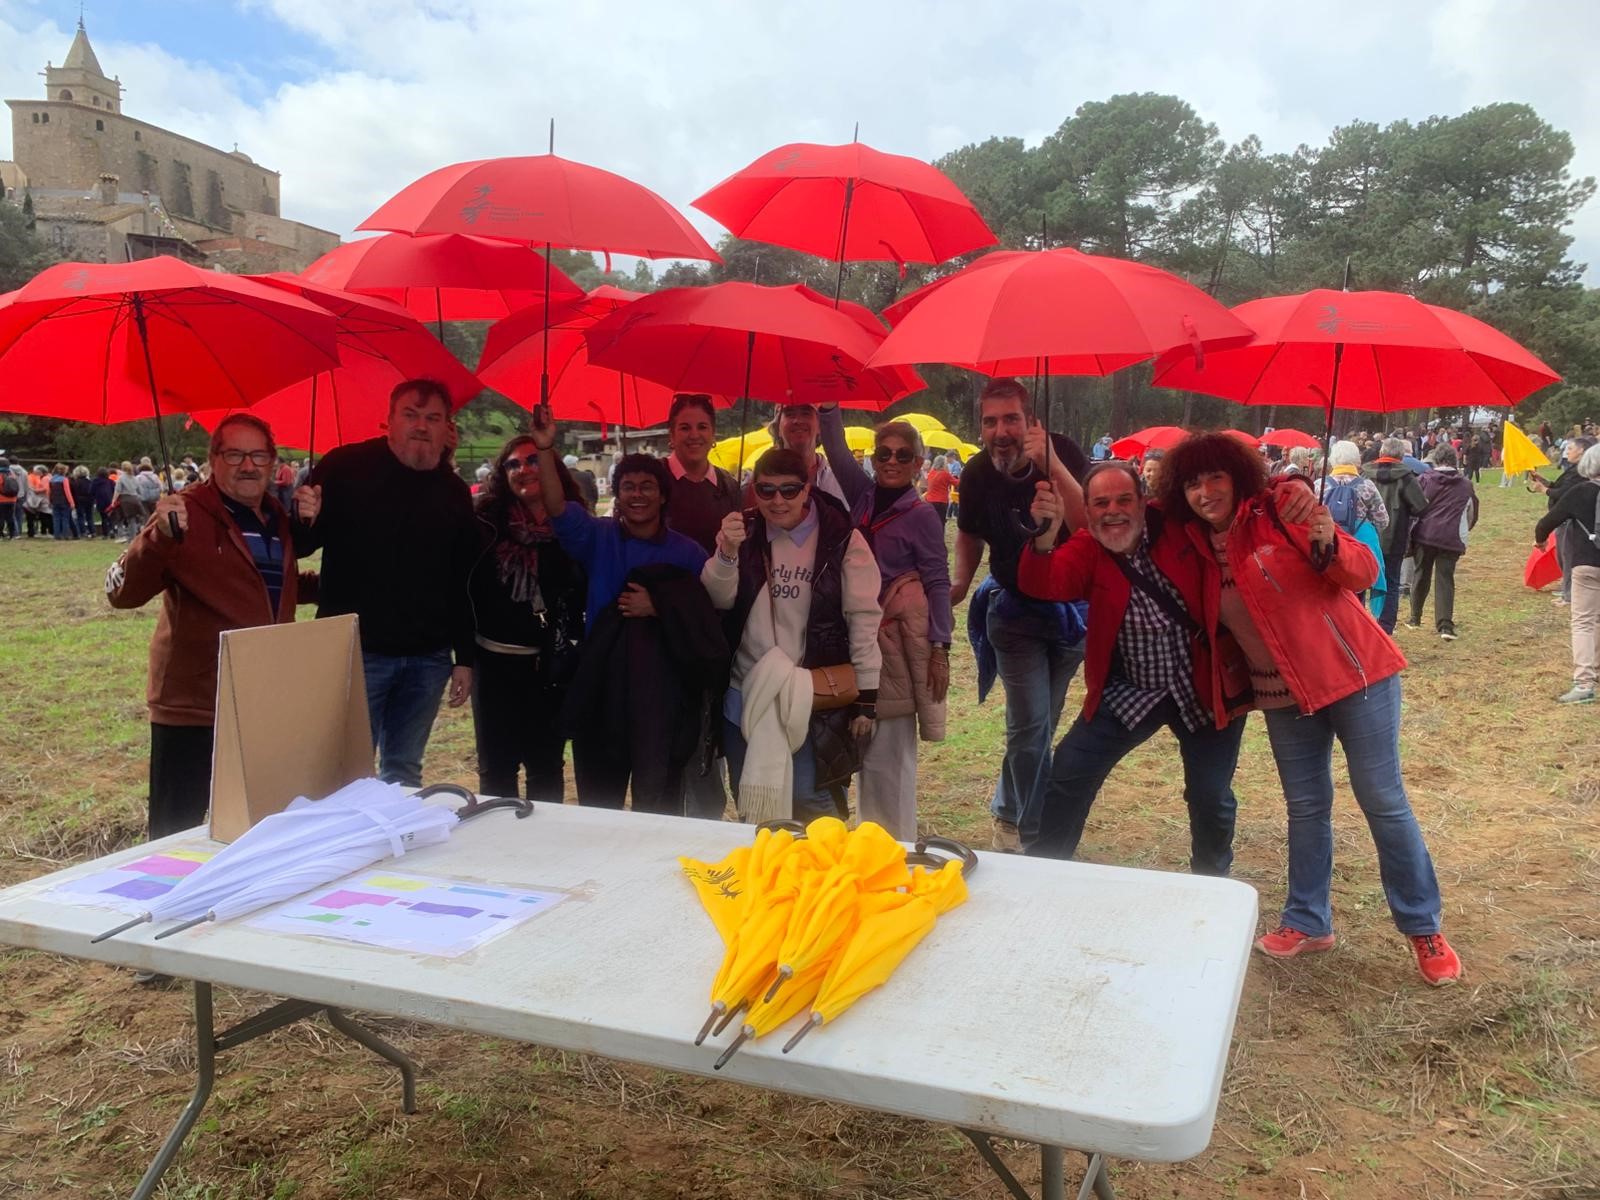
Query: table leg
{"points": [[360, 1033], [1052, 1172], [1096, 1180], [206, 1061]]}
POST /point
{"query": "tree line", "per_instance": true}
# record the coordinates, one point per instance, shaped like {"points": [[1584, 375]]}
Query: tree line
{"points": [[1470, 211]]}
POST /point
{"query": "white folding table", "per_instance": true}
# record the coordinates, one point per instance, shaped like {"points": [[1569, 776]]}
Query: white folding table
{"points": [[1064, 1004]]}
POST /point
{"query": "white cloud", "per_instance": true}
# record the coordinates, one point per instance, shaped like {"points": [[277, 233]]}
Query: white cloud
{"points": [[678, 96]]}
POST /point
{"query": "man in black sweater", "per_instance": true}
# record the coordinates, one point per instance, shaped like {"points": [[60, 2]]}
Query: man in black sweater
{"points": [[399, 539]]}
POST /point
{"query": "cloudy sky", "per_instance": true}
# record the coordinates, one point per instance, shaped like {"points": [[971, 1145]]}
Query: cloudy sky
{"points": [[351, 99]]}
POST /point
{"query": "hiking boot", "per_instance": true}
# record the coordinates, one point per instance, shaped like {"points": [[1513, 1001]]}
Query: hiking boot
{"points": [[1439, 964], [1578, 695], [1286, 942], [1006, 837]]}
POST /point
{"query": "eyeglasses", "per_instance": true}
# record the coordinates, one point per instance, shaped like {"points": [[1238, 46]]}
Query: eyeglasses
{"points": [[260, 458], [787, 490], [884, 455], [514, 465]]}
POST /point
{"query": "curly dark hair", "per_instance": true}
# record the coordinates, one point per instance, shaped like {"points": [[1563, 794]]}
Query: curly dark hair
{"points": [[495, 498], [644, 464], [1200, 454]]}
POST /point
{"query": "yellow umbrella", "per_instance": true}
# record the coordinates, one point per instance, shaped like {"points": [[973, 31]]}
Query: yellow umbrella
{"points": [[940, 439], [725, 454], [767, 1017], [723, 888], [1519, 454], [922, 422]]}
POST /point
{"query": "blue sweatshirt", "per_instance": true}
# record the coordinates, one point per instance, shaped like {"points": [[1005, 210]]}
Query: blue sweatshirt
{"points": [[607, 554]]}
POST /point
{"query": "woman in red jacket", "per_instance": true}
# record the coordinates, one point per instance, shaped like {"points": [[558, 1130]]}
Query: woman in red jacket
{"points": [[1321, 669]]}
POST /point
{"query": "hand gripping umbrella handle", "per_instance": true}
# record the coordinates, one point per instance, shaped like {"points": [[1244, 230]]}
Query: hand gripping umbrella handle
{"points": [[474, 806], [1021, 517]]}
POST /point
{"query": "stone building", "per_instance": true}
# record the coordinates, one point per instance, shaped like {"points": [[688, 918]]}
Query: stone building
{"points": [[106, 186]]}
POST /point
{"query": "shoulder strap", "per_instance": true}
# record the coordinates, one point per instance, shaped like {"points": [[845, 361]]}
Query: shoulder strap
{"points": [[1163, 601]]}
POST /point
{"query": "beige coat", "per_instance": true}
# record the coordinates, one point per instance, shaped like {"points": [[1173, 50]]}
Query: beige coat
{"points": [[903, 639]]}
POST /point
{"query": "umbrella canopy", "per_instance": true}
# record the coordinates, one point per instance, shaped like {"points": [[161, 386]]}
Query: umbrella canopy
{"points": [[921, 422], [1239, 435], [1290, 439], [124, 341], [443, 277], [1157, 437], [380, 345], [1518, 453], [1543, 567], [1372, 351], [782, 344], [725, 454], [1056, 312], [849, 203], [543, 200], [579, 390]]}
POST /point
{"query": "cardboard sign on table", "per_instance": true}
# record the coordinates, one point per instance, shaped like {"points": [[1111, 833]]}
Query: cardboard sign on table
{"points": [[291, 719]]}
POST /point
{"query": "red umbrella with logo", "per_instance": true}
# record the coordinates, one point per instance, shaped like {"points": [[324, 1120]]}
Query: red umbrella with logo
{"points": [[380, 345], [543, 200], [109, 342], [1373, 351], [443, 277], [850, 203], [787, 345]]}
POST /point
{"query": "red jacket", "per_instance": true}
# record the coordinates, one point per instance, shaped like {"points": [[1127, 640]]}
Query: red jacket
{"points": [[1324, 641], [1081, 569], [207, 583]]}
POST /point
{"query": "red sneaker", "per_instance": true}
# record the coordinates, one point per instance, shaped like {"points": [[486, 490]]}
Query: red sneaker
{"points": [[1439, 964], [1284, 942]]}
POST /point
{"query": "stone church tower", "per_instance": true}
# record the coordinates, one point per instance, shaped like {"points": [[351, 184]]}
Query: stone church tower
{"points": [[107, 186]]}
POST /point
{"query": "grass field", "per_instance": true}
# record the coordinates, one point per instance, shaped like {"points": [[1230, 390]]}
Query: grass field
{"points": [[1348, 1078]]}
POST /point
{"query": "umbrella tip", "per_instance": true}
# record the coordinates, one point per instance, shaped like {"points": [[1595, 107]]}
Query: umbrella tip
{"points": [[811, 1023], [729, 1016], [785, 973], [125, 926], [722, 1059], [182, 925], [717, 1010]]}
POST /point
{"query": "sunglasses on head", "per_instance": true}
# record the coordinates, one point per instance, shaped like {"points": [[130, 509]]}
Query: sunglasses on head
{"points": [[516, 464], [884, 455], [787, 490]]}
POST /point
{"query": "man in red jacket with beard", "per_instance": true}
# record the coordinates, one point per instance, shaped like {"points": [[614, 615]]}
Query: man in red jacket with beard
{"points": [[1148, 662]]}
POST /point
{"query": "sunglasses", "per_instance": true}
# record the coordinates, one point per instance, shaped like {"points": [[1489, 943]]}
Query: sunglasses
{"points": [[885, 455], [514, 465], [787, 490]]}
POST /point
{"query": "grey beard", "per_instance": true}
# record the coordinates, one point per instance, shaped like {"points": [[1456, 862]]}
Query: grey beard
{"points": [[1006, 461]]}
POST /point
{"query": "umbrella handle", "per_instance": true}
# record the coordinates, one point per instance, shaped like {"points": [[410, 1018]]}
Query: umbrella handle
{"points": [[1021, 517], [798, 828], [969, 859], [474, 806]]}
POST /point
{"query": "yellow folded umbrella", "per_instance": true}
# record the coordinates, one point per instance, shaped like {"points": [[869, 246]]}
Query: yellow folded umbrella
{"points": [[767, 1017], [722, 887]]}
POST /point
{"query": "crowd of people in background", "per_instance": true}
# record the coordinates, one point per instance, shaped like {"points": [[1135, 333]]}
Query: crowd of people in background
{"points": [[785, 637]]}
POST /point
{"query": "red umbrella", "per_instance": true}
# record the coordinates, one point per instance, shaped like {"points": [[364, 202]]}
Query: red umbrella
{"points": [[87, 341], [850, 203], [1374, 351], [1290, 439], [1157, 437], [1543, 567], [543, 200], [1249, 439], [380, 345], [442, 277], [1085, 313], [579, 390], [783, 344]]}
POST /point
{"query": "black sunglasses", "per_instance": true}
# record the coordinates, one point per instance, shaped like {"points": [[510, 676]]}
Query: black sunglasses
{"points": [[787, 490], [516, 464], [883, 454]]}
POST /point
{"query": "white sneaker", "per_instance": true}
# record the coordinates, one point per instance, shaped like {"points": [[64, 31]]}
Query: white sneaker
{"points": [[1578, 695], [1448, 635]]}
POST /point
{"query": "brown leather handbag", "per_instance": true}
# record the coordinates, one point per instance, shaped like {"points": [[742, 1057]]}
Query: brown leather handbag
{"points": [[833, 687]]}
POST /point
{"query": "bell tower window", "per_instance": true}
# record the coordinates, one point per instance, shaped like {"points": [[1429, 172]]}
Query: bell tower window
{"points": [[65, 94]]}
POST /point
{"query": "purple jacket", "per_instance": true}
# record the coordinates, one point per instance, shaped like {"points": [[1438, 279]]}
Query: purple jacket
{"points": [[908, 537], [1452, 511]]}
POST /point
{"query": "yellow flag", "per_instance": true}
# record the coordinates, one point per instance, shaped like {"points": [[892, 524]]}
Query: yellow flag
{"points": [[1519, 454]]}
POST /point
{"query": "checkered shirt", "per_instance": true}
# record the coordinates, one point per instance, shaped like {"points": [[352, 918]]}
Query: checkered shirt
{"points": [[1153, 659]]}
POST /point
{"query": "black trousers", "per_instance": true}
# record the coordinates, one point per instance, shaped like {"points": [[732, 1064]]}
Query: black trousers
{"points": [[604, 770], [517, 718], [1437, 568], [180, 776]]}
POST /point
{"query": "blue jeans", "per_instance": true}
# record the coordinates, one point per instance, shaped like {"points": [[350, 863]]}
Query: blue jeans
{"points": [[1367, 725], [810, 801], [1393, 571], [61, 521], [1035, 668], [1093, 748], [403, 695]]}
